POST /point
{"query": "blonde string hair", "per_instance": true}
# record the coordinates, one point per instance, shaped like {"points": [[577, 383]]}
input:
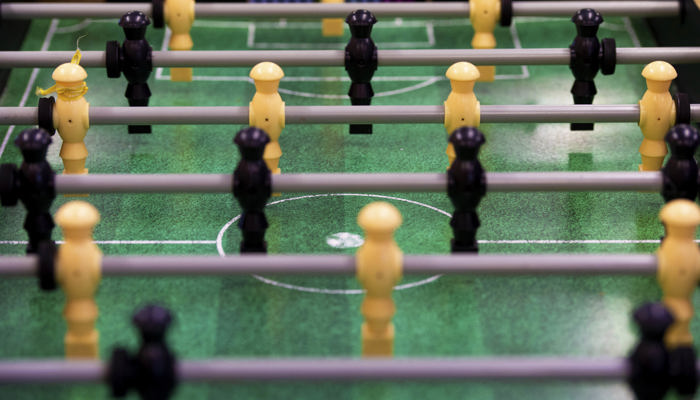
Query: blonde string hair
{"points": [[72, 91]]}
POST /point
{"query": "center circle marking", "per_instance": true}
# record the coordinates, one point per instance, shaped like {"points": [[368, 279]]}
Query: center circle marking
{"points": [[222, 253]]}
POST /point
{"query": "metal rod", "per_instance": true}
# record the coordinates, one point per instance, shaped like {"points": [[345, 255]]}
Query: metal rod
{"points": [[330, 183], [51, 371], [409, 369], [229, 265], [344, 114], [18, 265], [484, 264], [340, 369], [318, 10], [606, 8], [288, 58]]}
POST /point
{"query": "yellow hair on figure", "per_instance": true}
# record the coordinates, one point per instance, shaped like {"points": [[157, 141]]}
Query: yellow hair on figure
{"points": [[71, 116]]}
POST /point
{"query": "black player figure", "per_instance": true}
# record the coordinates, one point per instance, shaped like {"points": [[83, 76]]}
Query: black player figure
{"points": [[649, 361], [36, 185], [585, 59], [680, 174], [136, 62], [361, 62], [466, 186], [156, 377], [683, 370], [151, 371], [252, 187]]}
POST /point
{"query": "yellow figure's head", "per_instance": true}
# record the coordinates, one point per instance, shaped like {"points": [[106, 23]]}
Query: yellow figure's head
{"points": [[69, 73], [379, 218], [266, 71], [659, 71], [462, 72], [267, 76], [179, 15], [77, 219], [681, 217]]}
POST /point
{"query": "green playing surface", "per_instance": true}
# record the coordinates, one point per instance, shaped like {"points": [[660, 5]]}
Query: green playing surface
{"points": [[314, 316]]}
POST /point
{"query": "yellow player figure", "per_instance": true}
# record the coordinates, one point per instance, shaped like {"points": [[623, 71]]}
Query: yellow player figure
{"points": [[679, 267], [461, 107], [332, 26], [71, 115], [657, 114], [179, 15], [484, 14], [78, 265], [266, 111], [379, 269]]}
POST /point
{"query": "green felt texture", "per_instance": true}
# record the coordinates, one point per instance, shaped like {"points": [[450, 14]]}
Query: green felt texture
{"points": [[450, 316]]}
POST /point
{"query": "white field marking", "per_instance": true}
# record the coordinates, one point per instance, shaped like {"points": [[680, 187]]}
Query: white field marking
{"points": [[222, 253], [632, 32], [164, 47], [344, 240], [32, 78], [614, 27], [406, 89], [607, 25], [429, 32], [425, 81], [76, 27], [250, 41], [22, 242], [283, 23], [525, 74]]}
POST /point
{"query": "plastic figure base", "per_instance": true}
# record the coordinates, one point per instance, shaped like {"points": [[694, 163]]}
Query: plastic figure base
{"points": [[582, 126], [181, 74], [82, 347], [361, 129], [332, 27], [651, 163], [487, 73], [374, 345]]}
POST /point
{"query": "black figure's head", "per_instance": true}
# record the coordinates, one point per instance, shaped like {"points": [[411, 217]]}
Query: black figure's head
{"points": [[682, 140], [467, 141], [33, 143], [134, 24], [360, 23], [251, 143], [587, 21]]}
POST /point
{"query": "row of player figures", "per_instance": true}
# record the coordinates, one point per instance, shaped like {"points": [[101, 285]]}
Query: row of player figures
{"points": [[588, 54], [379, 260], [266, 110], [180, 15], [378, 263], [78, 262]]}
